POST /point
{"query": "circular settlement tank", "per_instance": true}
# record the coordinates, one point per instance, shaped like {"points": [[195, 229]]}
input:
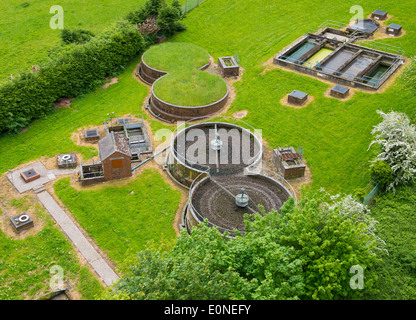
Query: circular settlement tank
{"points": [[367, 26], [221, 200], [219, 148]]}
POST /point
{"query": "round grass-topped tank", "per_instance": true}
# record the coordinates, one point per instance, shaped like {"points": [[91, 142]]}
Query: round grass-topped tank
{"points": [[171, 56], [181, 89], [190, 88]]}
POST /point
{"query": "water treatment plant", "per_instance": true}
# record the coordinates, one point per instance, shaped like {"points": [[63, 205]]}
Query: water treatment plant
{"points": [[207, 149]]}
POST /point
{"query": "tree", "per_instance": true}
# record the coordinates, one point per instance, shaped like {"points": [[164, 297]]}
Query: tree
{"points": [[324, 238], [396, 137], [197, 268], [304, 252], [177, 6], [168, 20], [157, 15], [150, 9]]}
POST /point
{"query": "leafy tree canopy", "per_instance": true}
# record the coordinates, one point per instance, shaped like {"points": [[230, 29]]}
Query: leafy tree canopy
{"points": [[304, 252]]}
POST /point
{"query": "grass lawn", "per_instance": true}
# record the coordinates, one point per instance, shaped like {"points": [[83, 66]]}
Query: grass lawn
{"points": [[172, 56], [190, 88], [124, 220], [25, 263]]}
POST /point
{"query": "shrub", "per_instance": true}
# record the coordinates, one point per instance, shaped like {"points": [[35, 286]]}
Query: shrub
{"points": [[396, 137], [77, 36], [168, 20], [150, 9], [381, 173], [360, 193]]}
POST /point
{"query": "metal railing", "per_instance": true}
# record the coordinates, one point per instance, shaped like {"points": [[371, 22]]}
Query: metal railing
{"points": [[260, 170], [190, 4], [329, 24], [256, 170], [384, 47], [371, 81]]}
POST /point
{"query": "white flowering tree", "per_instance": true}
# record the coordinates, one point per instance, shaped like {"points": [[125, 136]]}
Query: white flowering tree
{"points": [[396, 137], [349, 207]]}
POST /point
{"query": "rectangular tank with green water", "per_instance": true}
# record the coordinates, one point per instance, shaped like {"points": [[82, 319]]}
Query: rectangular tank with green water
{"points": [[300, 51], [318, 57]]}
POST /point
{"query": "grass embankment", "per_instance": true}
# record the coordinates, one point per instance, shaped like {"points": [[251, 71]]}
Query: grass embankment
{"points": [[184, 84], [125, 219]]}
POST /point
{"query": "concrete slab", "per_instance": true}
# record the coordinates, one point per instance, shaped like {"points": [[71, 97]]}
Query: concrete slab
{"points": [[45, 176], [21, 185]]}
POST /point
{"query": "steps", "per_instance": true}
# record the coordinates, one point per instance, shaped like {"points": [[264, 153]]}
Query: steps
{"points": [[39, 188]]}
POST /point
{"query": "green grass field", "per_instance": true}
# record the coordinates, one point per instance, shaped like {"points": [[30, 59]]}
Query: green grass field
{"points": [[190, 88], [124, 220], [173, 56], [25, 263], [25, 34]]}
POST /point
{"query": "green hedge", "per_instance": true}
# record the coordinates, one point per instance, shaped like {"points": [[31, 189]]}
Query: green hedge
{"points": [[71, 71]]}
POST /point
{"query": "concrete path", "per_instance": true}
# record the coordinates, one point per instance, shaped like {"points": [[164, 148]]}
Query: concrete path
{"points": [[75, 235]]}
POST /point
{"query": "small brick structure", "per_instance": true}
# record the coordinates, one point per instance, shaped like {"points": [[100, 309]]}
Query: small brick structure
{"points": [[115, 156], [21, 222], [160, 39], [228, 67], [394, 29], [297, 97], [289, 163], [30, 175], [340, 91], [91, 135], [379, 15]]}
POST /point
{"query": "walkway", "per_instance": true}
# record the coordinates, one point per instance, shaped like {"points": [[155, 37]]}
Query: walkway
{"points": [[81, 243]]}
